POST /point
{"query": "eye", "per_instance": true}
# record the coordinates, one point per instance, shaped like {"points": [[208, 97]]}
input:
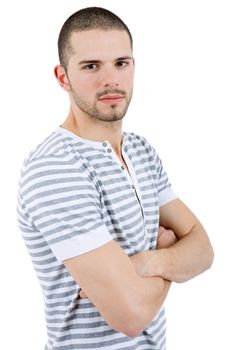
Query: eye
{"points": [[90, 66], [122, 63]]}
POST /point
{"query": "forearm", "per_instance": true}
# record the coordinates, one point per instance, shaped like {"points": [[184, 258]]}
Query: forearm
{"points": [[152, 296], [149, 298], [187, 258], [160, 300], [137, 299], [142, 297]]}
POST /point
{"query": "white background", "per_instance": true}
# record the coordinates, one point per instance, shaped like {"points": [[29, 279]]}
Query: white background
{"points": [[183, 105]]}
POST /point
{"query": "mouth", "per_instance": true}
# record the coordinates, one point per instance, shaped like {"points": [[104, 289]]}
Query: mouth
{"points": [[111, 98]]}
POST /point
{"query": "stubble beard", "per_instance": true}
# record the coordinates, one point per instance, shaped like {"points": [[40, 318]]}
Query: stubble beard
{"points": [[93, 112]]}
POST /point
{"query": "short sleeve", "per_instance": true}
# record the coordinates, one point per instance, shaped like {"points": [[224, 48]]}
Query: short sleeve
{"points": [[163, 185], [62, 202], [165, 191]]}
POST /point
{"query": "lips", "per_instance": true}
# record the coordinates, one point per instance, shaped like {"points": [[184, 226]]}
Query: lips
{"points": [[110, 98]]}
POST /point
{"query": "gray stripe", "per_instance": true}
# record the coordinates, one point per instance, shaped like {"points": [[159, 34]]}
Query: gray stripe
{"points": [[56, 172], [42, 194], [50, 269], [59, 295], [93, 345], [60, 285], [57, 200], [47, 141], [44, 262], [38, 245], [40, 254], [57, 276], [47, 183], [56, 304], [86, 336], [73, 234], [48, 213]]}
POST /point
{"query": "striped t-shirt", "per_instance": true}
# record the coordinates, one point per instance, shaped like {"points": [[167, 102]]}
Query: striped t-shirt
{"points": [[74, 196]]}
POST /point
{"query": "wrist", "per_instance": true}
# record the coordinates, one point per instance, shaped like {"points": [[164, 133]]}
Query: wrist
{"points": [[156, 263]]}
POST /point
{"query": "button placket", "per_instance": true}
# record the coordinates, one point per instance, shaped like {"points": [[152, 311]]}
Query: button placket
{"points": [[136, 190], [107, 147]]}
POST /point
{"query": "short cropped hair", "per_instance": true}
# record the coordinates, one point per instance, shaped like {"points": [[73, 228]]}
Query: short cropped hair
{"points": [[87, 19]]}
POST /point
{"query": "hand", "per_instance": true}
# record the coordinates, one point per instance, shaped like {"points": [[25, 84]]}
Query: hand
{"points": [[166, 238], [139, 261], [82, 295]]}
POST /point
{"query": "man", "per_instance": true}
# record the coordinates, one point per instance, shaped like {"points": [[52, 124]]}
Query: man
{"points": [[91, 199]]}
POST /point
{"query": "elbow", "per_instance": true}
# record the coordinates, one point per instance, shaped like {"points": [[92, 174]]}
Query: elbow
{"points": [[132, 312], [133, 332], [208, 253], [130, 330], [132, 321], [133, 326], [210, 257]]}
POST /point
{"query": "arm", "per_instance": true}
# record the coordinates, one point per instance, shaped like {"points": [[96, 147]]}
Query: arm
{"points": [[126, 301], [166, 238], [191, 255]]}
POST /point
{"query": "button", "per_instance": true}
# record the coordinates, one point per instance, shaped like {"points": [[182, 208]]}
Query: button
{"points": [[122, 167], [133, 187], [109, 150], [104, 144]]}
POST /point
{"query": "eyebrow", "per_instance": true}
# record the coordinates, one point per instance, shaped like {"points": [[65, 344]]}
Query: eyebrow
{"points": [[98, 61]]}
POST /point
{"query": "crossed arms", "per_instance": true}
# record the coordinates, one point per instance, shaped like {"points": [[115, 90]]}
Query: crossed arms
{"points": [[129, 291]]}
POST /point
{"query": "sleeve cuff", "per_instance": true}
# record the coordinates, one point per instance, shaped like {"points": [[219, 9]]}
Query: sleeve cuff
{"points": [[81, 243], [166, 196]]}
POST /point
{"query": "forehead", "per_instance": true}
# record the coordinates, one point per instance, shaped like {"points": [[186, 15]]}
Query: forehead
{"points": [[97, 43]]}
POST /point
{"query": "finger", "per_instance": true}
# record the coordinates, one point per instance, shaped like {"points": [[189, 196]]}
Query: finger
{"points": [[161, 230], [82, 295], [166, 238]]}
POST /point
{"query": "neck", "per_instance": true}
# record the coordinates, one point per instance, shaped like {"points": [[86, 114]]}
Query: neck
{"points": [[95, 130]]}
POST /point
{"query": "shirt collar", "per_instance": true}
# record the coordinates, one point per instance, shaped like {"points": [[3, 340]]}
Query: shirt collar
{"points": [[94, 144]]}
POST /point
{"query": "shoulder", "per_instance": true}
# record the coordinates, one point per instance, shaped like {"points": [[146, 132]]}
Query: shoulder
{"points": [[57, 144], [139, 144], [54, 157]]}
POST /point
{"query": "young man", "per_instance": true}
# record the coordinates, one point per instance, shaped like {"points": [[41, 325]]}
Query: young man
{"points": [[91, 199]]}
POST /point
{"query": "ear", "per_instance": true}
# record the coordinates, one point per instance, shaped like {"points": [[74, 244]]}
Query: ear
{"points": [[62, 78]]}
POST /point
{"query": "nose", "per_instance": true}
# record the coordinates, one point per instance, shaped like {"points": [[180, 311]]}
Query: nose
{"points": [[109, 78], [111, 84]]}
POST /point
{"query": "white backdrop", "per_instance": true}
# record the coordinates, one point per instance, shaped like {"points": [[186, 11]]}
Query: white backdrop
{"points": [[183, 105]]}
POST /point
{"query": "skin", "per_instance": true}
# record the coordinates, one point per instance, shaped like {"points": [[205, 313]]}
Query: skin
{"points": [[99, 82]]}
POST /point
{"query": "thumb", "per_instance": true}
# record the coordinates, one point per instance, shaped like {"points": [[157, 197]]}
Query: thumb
{"points": [[82, 295]]}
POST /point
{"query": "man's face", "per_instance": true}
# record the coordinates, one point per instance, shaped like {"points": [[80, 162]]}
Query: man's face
{"points": [[100, 73]]}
